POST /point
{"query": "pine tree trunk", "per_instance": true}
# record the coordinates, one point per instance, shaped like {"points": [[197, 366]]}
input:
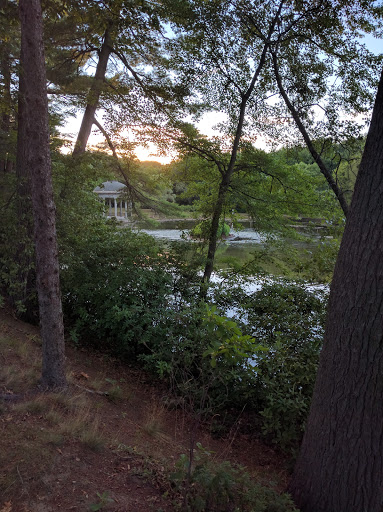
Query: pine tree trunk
{"points": [[340, 466], [93, 97], [22, 298], [38, 163], [6, 101]]}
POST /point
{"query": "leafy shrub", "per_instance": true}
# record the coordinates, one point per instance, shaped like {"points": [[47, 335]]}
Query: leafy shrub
{"points": [[115, 290], [290, 321], [265, 363], [17, 260], [77, 212], [210, 486], [205, 358]]}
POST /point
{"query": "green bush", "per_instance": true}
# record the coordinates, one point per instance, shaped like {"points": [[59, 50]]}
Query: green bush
{"points": [[290, 321], [205, 358], [77, 212], [266, 365], [115, 290], [210, 486], [17, 259]]}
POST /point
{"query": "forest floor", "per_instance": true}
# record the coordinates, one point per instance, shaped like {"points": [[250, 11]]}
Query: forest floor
{"points": [[109, 443]]}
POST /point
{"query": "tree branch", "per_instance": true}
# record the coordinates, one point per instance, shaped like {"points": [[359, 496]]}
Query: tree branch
{"points": [[318, 160]]}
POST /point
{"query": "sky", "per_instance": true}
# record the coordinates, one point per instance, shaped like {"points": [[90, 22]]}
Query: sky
{"points": [[206, 124]]}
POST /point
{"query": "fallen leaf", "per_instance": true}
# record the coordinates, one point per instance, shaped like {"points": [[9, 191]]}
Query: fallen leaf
{"points": [[7, 507]]}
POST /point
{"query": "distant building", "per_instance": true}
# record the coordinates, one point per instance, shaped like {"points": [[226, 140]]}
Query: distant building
{"points": [[113, 193]]}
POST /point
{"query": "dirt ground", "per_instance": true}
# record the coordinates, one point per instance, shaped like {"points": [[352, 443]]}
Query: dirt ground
{"points": [[108, 443]]}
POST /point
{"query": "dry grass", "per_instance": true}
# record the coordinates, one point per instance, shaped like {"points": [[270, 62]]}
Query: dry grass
{"points": [[153, 424], [50, 443], [20, 369], [92, 437], [70, 416]]}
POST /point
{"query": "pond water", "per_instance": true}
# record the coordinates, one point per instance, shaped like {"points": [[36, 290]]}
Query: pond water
{"points": [[238, 248], [243, 237]]}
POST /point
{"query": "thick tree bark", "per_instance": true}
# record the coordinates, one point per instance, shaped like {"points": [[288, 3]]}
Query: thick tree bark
{"points": [[340, 466], [93, 97], [38, 163], [24, 286]]}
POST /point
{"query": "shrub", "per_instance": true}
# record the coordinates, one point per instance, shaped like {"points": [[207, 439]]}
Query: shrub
{"points": [[265, 365], [222, 487], [115, 290], [205, 358], [290, 321]]}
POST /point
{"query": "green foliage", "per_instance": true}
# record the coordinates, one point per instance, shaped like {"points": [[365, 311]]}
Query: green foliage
{"points": [[122, 293], [317, 262], [289, 320], [17, 275], [265, 362], [274, 193], [77, 212], [205, 358], [150, 177], [202, 230], [115, 290], [228, 343], [285, 309], [223, 487], [103, 501]]}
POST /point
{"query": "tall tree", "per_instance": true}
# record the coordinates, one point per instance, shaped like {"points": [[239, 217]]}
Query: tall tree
{"points": [[231, 52], [212, 36], [340, 468], [94, 96], [131, 82], [36, 161], [9, 38]]}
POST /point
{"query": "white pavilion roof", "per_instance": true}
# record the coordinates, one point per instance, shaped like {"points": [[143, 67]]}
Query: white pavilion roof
{"points": [[110, 189]]}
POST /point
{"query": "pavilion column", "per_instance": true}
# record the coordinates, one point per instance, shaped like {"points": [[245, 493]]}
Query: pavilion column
{"points": [[115, 207]]}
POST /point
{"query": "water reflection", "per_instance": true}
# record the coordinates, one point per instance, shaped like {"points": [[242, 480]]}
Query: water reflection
{"points": [[236, 237]]}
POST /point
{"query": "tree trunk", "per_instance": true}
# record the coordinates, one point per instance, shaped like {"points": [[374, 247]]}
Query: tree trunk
{"points": [[228, 172], [22, 297], [340, 466], [93, 97], [6, 104], [213, 235], [38, 163]]}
